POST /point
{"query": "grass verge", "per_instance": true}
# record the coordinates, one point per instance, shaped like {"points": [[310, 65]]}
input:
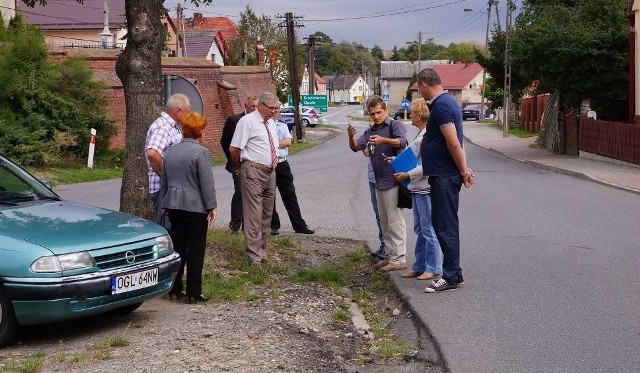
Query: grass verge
{"points": [[229, 276]]}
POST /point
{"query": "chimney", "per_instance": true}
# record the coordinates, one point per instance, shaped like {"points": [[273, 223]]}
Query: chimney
{"points": [[197, 20], [260, 52]]}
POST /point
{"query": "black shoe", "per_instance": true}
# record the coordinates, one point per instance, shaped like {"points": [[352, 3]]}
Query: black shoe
{"points": [[305, 230], [439, 285], [234, 226], [197, 298], [380, 254], [177, 294], [275, 232]]}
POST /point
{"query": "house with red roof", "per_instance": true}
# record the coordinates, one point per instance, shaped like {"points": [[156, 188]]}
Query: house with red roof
{"points": [[462, 80], [215, 34]]}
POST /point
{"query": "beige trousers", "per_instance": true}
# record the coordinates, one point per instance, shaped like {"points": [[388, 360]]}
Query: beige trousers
{"points": [[258, 192], [393, 225]]}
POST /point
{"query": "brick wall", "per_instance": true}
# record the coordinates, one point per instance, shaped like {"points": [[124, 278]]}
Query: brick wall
{"points": [[223, 90]]}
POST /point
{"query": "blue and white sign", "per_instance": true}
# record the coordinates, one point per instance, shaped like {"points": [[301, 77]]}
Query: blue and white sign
{"points": [[385, 97], [405, 104]]}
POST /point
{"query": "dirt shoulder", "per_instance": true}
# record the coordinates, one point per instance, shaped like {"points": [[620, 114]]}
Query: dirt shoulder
{"points": [[286, 328]]}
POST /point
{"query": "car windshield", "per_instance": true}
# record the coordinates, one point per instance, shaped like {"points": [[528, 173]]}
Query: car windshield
{"points": [[17, 185]]}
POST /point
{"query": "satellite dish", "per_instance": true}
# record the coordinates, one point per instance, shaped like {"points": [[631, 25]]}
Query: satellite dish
{"points": [[173, 84]]}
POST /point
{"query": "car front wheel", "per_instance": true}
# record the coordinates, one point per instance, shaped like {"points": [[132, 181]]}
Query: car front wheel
{"points": [[8, 323], [305, 122]]}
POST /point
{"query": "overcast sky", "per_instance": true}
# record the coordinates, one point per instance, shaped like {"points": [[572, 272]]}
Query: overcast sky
{"points": [[387, 23]]}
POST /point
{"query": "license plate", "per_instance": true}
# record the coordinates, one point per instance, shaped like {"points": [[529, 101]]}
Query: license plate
{"points": [[134, 281]]}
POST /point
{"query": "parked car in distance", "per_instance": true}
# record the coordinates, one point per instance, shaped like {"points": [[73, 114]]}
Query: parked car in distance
{"points": [[399, 114], [62, 260], [473, 112], [309, 116]]}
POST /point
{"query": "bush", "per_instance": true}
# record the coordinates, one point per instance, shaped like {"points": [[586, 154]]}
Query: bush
{"points": [[46, 109]]}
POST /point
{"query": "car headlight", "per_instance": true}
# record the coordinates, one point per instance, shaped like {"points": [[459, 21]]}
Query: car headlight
{"points": [[65, 262], [164, 243]]}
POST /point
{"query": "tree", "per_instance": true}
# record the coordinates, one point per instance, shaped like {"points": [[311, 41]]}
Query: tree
{"points": [[322, 37], [463, 52], [274, 39], [578, 48], [376, 52], [395, 55]]}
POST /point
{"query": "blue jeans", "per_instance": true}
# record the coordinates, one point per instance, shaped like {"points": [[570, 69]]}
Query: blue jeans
{"points": [[428, 252], [445, 192], [374, 203]]}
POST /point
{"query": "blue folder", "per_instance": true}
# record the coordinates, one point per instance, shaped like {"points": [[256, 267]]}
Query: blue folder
{"points": [[404, 162]]}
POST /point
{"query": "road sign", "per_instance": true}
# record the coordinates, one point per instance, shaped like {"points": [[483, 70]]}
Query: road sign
{"points": [[385, 97], [405, 104], [319, 102]]}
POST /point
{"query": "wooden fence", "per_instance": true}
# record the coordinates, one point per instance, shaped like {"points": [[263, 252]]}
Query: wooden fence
{"points": [[610, 139], [531, 109]]}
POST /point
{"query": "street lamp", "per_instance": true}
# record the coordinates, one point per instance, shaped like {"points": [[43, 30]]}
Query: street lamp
{"points": [[484, 71], [419, 41]]}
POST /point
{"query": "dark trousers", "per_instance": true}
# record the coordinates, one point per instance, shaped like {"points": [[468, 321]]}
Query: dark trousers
{"points": [[236, 205], [445, 192], [189, 236], [284, 182]]}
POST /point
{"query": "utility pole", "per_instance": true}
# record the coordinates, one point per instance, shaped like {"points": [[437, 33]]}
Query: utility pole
{"points": [[486, 42], [419, 51], [507, 71], [291, 24], [312, 61]]}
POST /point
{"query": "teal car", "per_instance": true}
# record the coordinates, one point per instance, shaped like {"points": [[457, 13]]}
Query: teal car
{"points": [[61, 260]]}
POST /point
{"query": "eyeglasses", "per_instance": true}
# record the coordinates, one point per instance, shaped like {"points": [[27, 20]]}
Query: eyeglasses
{"points": [[272, 108]]}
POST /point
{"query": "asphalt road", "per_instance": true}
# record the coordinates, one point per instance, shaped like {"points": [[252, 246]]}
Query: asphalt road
{"points": [[550, 261]]}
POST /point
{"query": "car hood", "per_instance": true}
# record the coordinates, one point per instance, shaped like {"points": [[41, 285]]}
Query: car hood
{"points": [[64, 227]]}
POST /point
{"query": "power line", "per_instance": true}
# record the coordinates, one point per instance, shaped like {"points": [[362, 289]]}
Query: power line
{"points": [[386, 14]]}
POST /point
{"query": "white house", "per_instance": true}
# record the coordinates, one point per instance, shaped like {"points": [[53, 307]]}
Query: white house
{"points": [[346, 88]]}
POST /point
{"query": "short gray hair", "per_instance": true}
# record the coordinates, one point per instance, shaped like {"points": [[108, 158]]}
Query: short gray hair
{"points": [[177, 101], [429, 76], [267, 96], [250, 98]]}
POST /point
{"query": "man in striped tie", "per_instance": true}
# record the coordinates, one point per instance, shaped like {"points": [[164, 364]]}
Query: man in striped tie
{"points": [[253, 152]]}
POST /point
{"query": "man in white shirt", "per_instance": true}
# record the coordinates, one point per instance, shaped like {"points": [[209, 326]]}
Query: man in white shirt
{"points": [[253, 151]]}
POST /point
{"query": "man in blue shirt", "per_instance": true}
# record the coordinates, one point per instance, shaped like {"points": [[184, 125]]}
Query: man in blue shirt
{"points": [[284, 182], [444, 161]]}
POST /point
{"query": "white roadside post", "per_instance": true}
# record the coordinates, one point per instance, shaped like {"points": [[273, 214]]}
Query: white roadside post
{"points": [[92, 147]]}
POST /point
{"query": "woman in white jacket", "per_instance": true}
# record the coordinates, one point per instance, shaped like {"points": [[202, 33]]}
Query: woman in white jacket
{"points": [[428, 264]]}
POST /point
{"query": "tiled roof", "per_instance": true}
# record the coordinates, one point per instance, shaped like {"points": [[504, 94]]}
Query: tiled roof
{"points": [[69, 15], [224, 25], [338, 82], [455, 76], [198, 43]]}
